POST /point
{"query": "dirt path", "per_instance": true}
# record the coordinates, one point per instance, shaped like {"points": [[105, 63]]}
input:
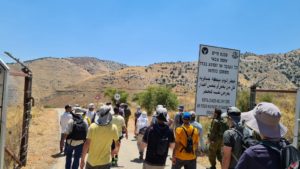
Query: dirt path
{"points": [[127, 156]]}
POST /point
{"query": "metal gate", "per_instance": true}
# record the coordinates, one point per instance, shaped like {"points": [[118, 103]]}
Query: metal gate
{"points": [[18, 152]]}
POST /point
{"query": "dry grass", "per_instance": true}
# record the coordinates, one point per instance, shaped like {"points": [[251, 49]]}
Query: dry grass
{"points": [[287, 105], [43, 139], [13, 133]]}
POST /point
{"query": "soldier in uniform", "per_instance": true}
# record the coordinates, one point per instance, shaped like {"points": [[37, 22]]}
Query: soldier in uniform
{"points": [[215, 138]]}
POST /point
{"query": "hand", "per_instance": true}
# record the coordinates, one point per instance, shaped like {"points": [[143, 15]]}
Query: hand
{"points": [[173, 160], [82, 164]]}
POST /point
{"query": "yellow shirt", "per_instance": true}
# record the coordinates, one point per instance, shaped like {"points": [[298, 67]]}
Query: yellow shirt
{"points": [[101, 139], [119, 121], [181, 139]]}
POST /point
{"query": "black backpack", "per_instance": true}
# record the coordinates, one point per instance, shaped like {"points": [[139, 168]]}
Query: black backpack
{"points": [[189, 143], [79, 130], [247, 139], [289, 155]]}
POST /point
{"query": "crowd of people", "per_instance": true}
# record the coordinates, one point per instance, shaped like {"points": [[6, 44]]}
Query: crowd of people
{"points": [[249, 140]]}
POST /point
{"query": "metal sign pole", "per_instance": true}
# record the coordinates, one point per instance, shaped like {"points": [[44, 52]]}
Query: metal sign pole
{"points": [[296, 139], [3, 87]]}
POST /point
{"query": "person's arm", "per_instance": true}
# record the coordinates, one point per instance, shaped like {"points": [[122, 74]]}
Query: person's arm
{"points": [[226, 157], [84, 152], [174, 152], [126, 132], [177, 144], [201, 138]]}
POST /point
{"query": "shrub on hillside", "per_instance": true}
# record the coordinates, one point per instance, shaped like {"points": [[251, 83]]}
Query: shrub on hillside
{"points": [[110, 93], [155, 95]]}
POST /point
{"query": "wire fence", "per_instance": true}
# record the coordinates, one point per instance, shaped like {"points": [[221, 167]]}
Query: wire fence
{"points": [[14, 121]]}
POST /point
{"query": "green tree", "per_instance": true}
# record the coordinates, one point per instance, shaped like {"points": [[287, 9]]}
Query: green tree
{"points": [[243, 100], [155, 95], [110, 93]]}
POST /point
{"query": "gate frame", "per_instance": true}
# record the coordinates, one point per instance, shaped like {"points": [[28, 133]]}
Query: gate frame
{"points": [[3, 113]]}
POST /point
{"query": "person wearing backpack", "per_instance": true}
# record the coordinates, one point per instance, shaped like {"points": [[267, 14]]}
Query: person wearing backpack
{"points": [[136, 116], [75, 135], [158, 138], [141, 127], [119, 121], [215, 138], [64, 119], [273, 151], [232, 139], [126, 112], [186, 144], [178, 117]]}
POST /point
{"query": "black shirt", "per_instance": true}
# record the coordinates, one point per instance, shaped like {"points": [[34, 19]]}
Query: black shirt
{"points": [[152, 137]]}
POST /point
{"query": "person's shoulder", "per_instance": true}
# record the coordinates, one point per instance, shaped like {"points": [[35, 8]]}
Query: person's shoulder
{"points": [[254, 150], [228, 132], [93, 126]]}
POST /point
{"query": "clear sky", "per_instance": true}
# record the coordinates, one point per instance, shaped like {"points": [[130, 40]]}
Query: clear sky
{"points": [[141, 32]]}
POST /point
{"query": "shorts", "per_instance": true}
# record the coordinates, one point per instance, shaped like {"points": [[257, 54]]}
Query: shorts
{"points": [[113, 145]]}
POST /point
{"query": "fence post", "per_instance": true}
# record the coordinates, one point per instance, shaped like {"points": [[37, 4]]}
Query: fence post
{"points": [[296, 139], [26, 116], [252, 97]]}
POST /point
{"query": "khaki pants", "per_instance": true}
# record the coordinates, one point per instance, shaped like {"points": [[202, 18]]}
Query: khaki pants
{"points": [[147, 166]]}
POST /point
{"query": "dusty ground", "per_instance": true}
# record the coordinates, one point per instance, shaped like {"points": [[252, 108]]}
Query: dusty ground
{"points": [[43, 140]]}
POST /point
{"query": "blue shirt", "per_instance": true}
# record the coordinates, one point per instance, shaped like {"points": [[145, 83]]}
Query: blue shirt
{"points": [[259, 157]]}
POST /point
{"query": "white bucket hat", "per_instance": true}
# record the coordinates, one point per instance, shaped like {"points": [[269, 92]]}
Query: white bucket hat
{"points": [[265, 119], [105, 116]]}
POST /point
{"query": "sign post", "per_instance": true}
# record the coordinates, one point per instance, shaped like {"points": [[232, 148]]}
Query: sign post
{"points": [[3, 103], [217, 79], [117, 96], [296, 139]]}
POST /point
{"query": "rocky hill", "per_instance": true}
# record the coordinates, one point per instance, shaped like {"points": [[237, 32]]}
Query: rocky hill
{"points": [[70, 80]]}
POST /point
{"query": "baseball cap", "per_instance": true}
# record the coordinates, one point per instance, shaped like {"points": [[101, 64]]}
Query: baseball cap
{"points": [[181, 107], [161, 114], [186, 115]]}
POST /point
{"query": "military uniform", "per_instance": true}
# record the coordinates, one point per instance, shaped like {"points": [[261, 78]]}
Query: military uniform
{"points": [[215, 137]]}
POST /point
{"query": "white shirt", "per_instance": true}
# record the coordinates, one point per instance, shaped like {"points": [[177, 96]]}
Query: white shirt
{"points": [[142, 122], [64, 119], [90, 114]]}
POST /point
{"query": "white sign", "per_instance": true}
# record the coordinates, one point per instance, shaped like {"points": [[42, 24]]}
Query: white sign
{"points": [[117, 96], [217, 79], [296, 139], [3, 91]]}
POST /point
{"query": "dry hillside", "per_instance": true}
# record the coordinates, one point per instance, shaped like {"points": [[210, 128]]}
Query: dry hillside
{"points": [[79, 80]]}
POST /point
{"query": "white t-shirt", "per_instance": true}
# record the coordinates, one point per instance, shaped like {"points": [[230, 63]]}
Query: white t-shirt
{"points": [[64, 119], [90, 114], [142, 122]]}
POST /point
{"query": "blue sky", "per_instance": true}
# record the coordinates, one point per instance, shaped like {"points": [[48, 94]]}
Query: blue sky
{"points": [[142, 32]]}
